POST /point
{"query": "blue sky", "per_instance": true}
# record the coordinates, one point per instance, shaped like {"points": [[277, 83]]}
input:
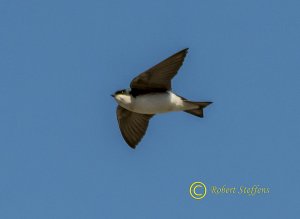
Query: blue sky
{"points": [[61, 152]]}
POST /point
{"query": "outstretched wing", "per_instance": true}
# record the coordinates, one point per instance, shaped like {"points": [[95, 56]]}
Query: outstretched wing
{"points": [[133, 126], [158, 78]]}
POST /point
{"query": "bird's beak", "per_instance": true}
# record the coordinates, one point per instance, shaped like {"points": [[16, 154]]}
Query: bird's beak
{"points": [[112, 95]]}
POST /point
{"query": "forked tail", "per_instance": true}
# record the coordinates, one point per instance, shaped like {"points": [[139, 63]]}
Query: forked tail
{"points": [[199, 111]]}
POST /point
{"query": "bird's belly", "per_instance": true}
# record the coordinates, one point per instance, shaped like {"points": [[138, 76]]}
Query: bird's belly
{"points": [[157, 103]]}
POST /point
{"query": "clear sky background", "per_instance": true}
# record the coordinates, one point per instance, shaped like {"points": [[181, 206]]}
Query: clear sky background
{"points": [[61, 151]]}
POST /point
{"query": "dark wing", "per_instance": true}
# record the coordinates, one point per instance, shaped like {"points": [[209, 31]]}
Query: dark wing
{"points": [[158, 78], [133, 126]]}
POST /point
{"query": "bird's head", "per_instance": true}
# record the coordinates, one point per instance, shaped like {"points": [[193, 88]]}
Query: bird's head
{"points": [[122, 95]]}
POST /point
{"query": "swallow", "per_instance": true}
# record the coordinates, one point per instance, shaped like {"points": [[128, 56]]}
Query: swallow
{"points": [[150, 93]]}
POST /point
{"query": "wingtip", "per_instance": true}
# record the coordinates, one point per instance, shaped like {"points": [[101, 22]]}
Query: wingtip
{"points": [[208, 103], [183, 50], [132, 146], [186, 49]]}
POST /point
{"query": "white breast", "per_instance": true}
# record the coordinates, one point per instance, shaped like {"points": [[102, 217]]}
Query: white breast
{"points": [[157, 103]]}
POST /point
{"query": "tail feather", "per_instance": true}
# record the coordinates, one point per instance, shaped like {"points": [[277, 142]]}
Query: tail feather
{"points": [[199, 111]]}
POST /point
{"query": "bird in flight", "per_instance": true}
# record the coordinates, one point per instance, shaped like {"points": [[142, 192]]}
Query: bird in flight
{"points": [[151, 93]]}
